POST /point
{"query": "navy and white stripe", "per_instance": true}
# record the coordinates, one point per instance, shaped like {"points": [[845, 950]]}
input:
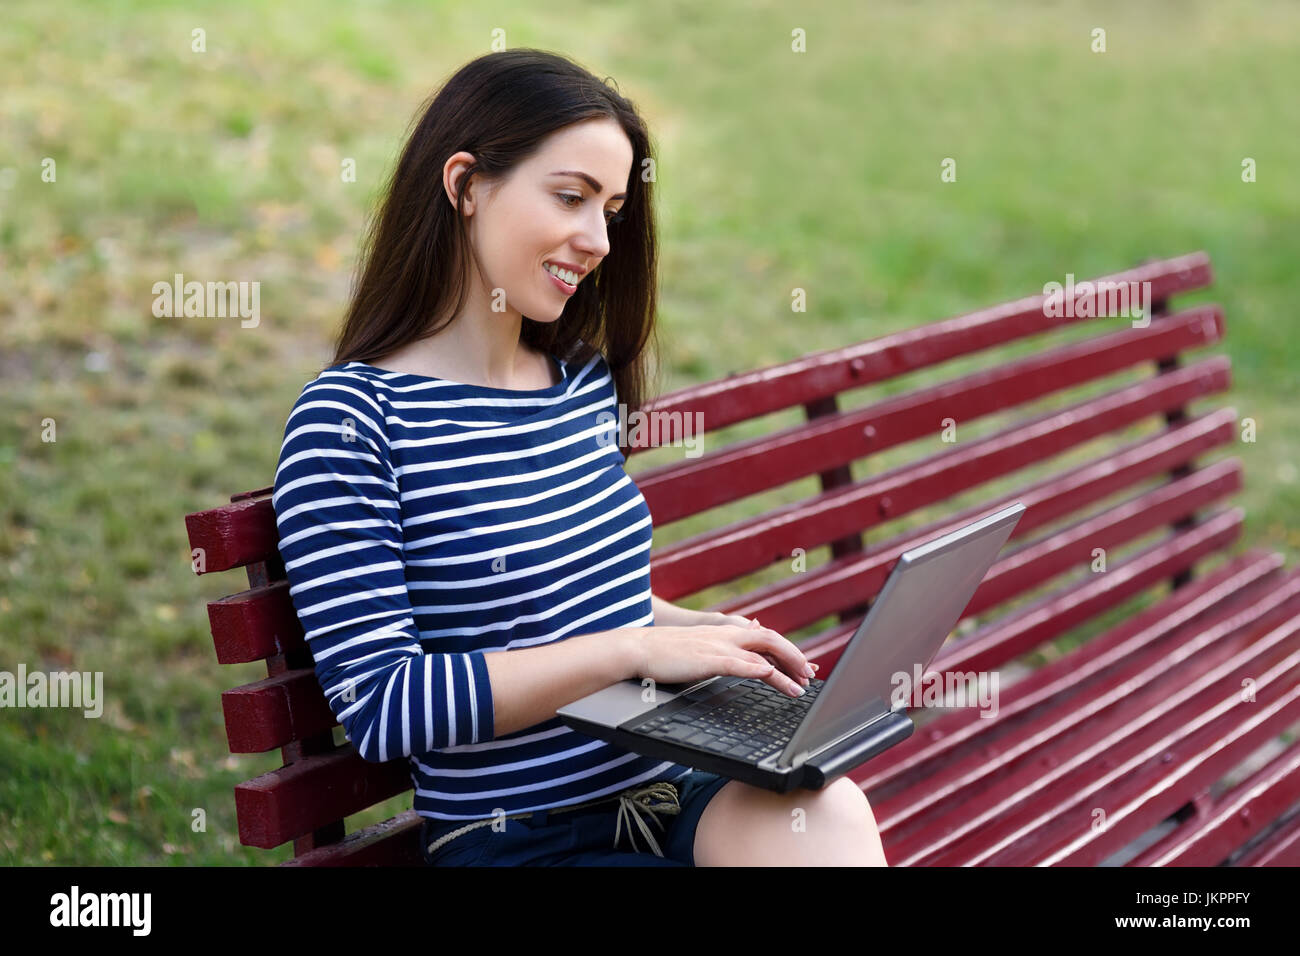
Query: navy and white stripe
{"points": [[424, 523]]}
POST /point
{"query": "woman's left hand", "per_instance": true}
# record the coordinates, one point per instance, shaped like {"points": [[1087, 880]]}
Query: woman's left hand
{"points": [[717, 617]]}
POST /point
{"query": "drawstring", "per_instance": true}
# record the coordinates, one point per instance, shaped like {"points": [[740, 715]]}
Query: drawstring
{"points": [[632, 801], [659, 797]]}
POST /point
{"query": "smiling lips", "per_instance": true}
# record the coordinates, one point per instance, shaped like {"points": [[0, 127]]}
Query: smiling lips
{"points": [[565, 287]]}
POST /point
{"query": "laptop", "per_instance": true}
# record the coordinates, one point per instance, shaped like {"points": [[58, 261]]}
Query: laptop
{"points": [[745, 729]]}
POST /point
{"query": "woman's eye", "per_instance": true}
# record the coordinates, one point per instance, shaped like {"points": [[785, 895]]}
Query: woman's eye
{"points": [[610, 218]]}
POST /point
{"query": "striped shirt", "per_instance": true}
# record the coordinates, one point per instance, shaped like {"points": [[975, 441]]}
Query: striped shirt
{"points": [[424, 523]]}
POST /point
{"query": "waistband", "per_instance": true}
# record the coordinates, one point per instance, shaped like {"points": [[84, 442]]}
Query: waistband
{"points": [[655, 798]]}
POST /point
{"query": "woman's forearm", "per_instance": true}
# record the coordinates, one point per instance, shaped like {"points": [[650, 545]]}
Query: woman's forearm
{"points": [[530, 683]]}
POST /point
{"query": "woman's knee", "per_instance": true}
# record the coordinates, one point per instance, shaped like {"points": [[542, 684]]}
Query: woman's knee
{"points": [[747, 825], [852, 813], [844, 802]]}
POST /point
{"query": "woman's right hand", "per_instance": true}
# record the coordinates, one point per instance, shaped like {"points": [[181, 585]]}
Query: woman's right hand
{"points": [[674, 655]]}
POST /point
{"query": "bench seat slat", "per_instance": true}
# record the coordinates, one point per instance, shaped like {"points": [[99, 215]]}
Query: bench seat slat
{"points": [[1099, 693], [1013, 821], [1149, 792], [1281, 849], [1238, 816], [939, 739]]}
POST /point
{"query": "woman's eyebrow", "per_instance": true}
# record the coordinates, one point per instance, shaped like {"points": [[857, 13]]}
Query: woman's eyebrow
{"points": [[587, 179]]}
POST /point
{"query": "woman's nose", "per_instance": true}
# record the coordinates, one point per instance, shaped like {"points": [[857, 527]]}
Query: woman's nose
{"points": [[593, 240]]}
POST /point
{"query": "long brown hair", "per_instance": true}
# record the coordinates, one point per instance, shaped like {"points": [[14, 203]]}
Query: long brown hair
{"points": [[411, 272]]}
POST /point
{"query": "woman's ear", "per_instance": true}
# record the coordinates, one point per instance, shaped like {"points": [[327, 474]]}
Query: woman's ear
{"points": [[454, 172]]}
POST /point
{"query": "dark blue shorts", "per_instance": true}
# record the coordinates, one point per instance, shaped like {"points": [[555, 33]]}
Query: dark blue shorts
{"points": [[582, 837]]}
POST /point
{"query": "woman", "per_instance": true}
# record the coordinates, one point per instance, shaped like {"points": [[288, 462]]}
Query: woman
{"points": [[450, 490]]}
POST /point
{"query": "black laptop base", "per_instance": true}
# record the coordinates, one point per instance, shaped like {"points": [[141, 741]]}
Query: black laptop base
{"points": [[813, 774]]}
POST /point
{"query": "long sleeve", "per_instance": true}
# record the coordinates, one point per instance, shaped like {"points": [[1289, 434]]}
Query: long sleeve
{"points": [[338, 514]]}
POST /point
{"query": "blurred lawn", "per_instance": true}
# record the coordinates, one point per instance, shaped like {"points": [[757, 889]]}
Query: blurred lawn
{"points": [[776, 171]]}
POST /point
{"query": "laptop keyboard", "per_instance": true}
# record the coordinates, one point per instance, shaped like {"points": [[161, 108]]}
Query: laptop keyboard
{"points": [[750, 720]]}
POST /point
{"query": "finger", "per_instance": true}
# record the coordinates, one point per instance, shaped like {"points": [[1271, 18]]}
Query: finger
{"points": [[803, 680], [751, 666], [779, 680], [786, 655]]}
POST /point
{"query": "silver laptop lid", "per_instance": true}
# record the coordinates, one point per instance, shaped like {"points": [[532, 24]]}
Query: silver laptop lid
{"points": [[920, 604]]}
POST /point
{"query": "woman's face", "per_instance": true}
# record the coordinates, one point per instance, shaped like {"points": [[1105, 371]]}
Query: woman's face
{"points": [[554, 208]]}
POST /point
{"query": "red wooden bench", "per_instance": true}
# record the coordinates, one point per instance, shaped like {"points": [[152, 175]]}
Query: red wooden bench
{"points": [[1114, 751]]}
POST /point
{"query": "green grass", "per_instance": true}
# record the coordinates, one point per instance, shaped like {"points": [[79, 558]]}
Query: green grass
{"points": [[776, 171]]}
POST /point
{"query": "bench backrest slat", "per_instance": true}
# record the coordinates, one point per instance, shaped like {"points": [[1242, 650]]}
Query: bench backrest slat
{"points": [[724, 554], [751, 394], [681, 489], [290, 802]]}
